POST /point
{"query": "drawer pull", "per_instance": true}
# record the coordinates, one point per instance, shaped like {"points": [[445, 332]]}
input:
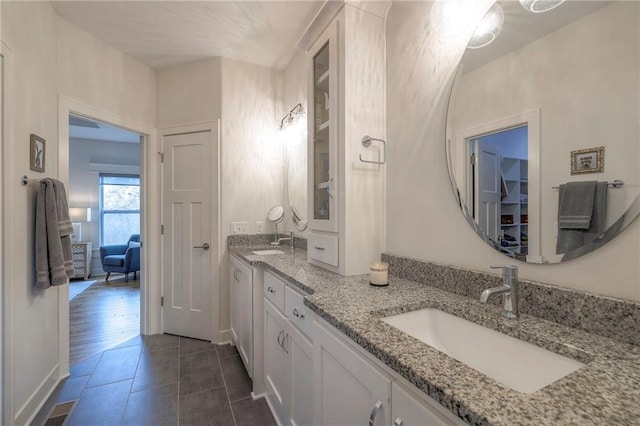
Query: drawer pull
{"points": [[297, 314], [271, 290], [318, 248], [398, 422], [374, 413]]}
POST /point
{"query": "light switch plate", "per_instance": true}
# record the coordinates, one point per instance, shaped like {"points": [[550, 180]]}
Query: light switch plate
{"points": [[239, 227], [259, 227]]}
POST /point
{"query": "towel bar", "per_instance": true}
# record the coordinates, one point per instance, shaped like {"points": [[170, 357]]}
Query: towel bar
{"points": [[615, 184], [25, 180]]}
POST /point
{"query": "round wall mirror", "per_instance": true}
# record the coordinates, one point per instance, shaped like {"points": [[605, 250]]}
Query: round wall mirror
{"points": [[543, 130]]}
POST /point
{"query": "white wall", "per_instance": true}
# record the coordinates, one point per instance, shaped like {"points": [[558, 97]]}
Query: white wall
{"points": [[49, 57], [251, 153], [84, 189], [189, 93], [424, 221]]}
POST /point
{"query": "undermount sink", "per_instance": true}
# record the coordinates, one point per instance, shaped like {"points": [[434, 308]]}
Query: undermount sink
{"points": [[522, 366], [265, 252]]}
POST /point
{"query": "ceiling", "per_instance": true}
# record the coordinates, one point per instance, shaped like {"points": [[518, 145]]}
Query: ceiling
{"points": [[84, 128], [167, 33]]}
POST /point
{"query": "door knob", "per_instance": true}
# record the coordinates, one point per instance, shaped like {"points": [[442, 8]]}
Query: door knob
{"points": [[204, 246]]}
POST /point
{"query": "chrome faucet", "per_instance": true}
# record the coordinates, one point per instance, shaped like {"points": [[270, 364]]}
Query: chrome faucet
{"points": [[291, 237], [510, 290]]}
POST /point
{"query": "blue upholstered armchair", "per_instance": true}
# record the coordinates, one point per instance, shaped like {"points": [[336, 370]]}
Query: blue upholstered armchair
{"points": [[122, 258]]}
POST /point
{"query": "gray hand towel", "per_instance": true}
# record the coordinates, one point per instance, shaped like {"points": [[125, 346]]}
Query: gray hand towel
{"points": [[575, 239], [575, 205], [54, 263]]}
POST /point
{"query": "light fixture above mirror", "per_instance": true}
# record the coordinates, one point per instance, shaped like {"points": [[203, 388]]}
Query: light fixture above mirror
{"points": [[295, 112], [488, 29], [540, 6]]}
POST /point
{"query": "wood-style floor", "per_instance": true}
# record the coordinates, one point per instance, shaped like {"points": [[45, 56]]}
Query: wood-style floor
{"points": [[103, 316]]}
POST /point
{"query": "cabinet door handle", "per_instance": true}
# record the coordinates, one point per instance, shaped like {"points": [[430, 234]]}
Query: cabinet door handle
{"points": [[319, 248], [271, 290], [284, 339], [398, 422], [279, 336], [297, 314], [205, 246], [235, 274], [374, 413]]}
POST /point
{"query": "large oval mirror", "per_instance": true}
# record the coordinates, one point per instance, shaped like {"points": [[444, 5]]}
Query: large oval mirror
{"points": [[296, 170], [543, 130]]}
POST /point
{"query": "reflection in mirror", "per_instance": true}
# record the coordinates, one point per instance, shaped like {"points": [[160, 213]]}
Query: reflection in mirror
{"points": [[552, 83], [295, 137]]}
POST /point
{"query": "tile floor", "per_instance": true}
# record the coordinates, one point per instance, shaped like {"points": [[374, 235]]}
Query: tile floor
{"points": [[161, 380]]}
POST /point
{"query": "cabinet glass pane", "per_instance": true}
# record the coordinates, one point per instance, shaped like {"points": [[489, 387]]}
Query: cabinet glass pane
{"points": [[321, 183]]}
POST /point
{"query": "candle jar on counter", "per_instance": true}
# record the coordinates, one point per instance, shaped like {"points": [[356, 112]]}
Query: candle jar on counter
{"points": [[379, 274]]}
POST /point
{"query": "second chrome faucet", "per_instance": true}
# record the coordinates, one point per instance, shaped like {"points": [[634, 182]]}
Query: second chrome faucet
{"points": [[510, 290]]}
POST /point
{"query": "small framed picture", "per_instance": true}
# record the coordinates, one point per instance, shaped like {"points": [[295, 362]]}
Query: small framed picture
{"points": [[590, 160], [37, 153]]}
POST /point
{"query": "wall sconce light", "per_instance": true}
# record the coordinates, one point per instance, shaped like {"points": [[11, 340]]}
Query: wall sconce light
{"points": [[539, 6], [79, 215], [488, 29], [290, 117]]}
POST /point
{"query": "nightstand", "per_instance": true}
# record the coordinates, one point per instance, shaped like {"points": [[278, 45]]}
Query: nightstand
{"points": [[81, 255]]}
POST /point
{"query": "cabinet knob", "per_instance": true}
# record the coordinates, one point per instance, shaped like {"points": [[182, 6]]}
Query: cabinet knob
{"points": [[271, 290], [297, 314]]}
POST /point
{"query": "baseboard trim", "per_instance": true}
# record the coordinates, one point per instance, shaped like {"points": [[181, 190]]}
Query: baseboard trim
{"points": [[39, 397], [224, 337], [258, 396]]}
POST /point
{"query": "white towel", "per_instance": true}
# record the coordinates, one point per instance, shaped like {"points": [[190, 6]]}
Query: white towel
{"points": [[54, 264]]}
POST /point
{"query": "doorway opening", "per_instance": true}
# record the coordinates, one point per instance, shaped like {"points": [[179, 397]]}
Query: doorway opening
{"points": [[499, 183], [105, 198]]}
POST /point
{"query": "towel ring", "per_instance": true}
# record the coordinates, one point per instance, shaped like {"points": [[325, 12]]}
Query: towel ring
{"points": [[366, 142]]}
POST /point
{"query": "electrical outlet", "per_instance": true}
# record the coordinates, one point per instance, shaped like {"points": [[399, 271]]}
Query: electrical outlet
{"points": [[259, 227], [239, 227]]}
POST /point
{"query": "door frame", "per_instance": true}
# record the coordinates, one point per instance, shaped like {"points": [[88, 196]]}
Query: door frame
{"points": [[217, 245], [531, 118], [149, 218]]}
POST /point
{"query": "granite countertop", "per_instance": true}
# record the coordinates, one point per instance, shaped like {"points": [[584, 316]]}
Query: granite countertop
{"points": [[605, 391]]}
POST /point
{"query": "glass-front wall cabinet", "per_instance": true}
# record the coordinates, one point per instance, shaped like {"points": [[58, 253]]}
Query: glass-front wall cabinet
{"points": [[323, 132], [322, 182]]}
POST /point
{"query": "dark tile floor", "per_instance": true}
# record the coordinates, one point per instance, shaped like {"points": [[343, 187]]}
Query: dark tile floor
{"points": [[161, 380]]}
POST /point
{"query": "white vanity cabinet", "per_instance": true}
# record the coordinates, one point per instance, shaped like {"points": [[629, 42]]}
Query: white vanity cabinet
{"points": [[346, 101], [247, 306], [353, 388], [288, 353]]}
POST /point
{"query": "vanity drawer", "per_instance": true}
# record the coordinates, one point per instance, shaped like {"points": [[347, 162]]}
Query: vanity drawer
{"points": [[323, 248], [296, 311], [274, 290]]}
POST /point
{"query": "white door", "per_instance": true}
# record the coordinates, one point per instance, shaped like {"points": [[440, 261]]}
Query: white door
{"points": [[487, 188], [276, 360], [187, 236]]}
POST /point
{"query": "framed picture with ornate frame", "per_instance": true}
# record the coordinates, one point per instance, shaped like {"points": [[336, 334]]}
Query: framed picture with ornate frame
{"points": [[37, 152], [589, 160]]}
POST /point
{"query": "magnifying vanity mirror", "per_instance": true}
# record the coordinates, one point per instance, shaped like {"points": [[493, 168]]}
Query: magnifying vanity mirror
{"points": [[551, 104]]}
